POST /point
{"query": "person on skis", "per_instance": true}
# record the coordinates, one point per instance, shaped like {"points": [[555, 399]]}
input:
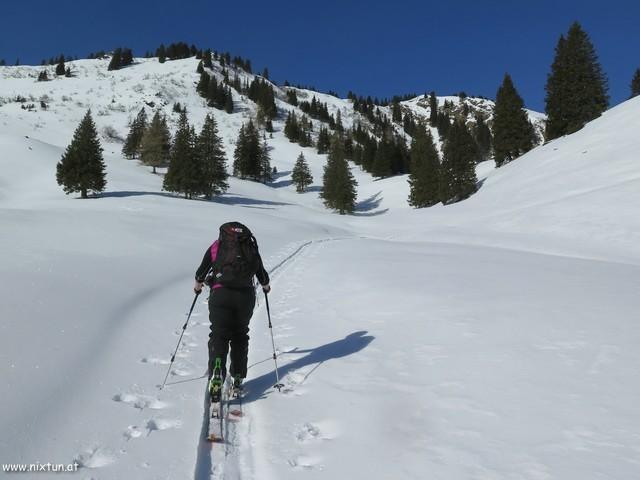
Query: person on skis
{"points": [[228, 267]]}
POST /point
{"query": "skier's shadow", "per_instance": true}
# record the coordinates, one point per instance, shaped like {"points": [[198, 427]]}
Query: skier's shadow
{"points": [[257, 388]]}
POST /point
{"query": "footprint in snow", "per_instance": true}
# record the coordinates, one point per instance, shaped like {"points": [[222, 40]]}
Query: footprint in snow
{"points": [[304, 462], [180, 372], [163, 424], [307, 432], [95, 457], [140, 401], [325, 430], [132, 432], [155, 361]]}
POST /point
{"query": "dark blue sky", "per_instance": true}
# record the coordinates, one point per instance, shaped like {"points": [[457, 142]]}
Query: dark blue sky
{"points": [[377, 48]]}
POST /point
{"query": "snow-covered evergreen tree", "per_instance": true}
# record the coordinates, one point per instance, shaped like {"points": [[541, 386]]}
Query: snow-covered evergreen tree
{"points": [[156, 143], [576, 87], [424, 179], [338, 185], [132, 145], [82, 167], [512, 131], [301, 174]]}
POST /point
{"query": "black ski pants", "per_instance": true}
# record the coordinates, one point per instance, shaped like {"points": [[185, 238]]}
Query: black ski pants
{"points": [[230, 311]]}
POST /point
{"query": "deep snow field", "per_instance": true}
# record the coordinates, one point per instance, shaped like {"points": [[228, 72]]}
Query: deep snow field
{"points": [[492, 339]]}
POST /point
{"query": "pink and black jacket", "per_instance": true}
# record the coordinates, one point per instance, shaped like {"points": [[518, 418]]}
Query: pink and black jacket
{"points": [[209, 258]]}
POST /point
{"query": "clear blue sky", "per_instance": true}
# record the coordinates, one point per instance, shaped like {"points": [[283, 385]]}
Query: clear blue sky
{"points": [[377, 48]]}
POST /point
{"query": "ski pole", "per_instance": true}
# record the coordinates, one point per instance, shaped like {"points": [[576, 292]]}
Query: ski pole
{"points": [[278, 385], [184, 327]]}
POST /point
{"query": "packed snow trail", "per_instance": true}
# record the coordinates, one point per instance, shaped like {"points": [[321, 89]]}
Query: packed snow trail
{"points": [[215, 461]]}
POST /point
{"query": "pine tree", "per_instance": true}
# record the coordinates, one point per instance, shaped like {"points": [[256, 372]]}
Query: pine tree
{"points": [[43, 76], [239, 154], [182, 176], [60, 68], [396, 112], [161, 53], [635, 84], [382, 163], [132, 145], [291, 127], [266, 173], [228, 103], [212, 158], [338, 185], [127, 57], [116, 60], [248, 155], [301, 175], [512, 131], [324, 140], [483, 137], [424, 179], [206, 59], [433, 107], [458, 176], [82, 167], [156, 143], [576, 87]]}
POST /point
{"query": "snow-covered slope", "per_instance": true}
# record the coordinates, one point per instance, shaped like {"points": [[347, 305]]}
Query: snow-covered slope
{"points": [[494, 338]]}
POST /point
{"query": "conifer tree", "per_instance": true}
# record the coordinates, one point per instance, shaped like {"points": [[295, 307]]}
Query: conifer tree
{"points": [[248, 155], [203, 85], [161, 53], [228, 104], [338, 185], [458, 176], [576, 87], [132, 145], [483, 137], [433, 106], [512, 131], [127, 57], [301, 175], [116, 60], [266, 173], [635, 84], [324, 140], [382, 163], [43, 76], [291, 127], [239, 154], [156, 143], [396, 111], [182, 175], [424, 179], [206, 59], [212, 158], [82, 167], [60, 68]]}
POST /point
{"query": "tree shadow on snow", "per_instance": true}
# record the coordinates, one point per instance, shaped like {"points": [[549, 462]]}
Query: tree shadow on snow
{"points": [[259, 387], [242, 200], [367, 208], [124, 194]]}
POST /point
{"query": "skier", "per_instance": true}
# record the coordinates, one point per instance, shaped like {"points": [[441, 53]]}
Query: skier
{"points": [[228, 267]]}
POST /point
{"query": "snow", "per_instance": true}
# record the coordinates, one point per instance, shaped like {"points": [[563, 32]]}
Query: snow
{"points": [[494, 338]]}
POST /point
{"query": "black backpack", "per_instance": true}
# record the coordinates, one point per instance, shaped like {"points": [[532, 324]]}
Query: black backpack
{"points": [[237, 260]]}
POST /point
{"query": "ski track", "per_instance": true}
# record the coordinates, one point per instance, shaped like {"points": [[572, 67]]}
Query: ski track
{"points": [[236, 445]]}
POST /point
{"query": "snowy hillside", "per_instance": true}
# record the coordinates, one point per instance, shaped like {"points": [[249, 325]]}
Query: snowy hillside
{"points": [[494, 338]]}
